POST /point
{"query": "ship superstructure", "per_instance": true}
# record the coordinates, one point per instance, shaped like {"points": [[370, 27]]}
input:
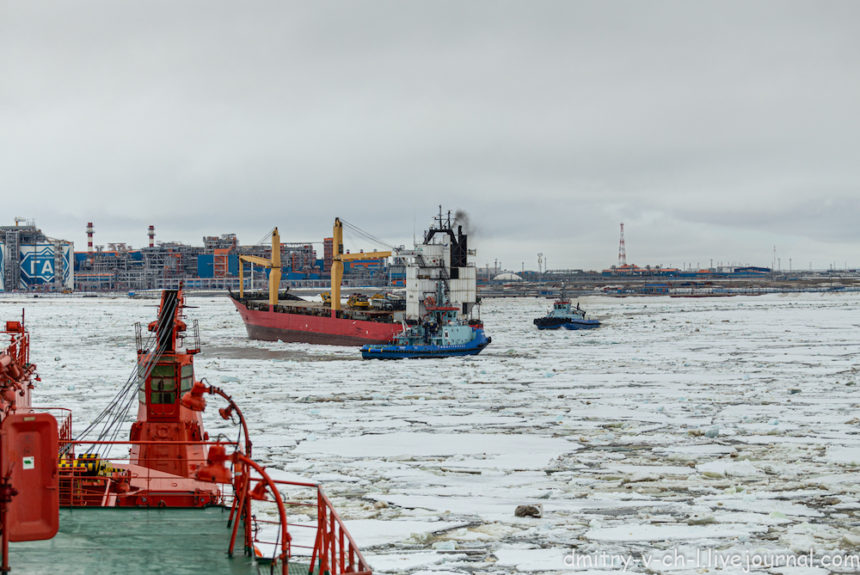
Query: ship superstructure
{"points": [[166, 373], [442, 258]]}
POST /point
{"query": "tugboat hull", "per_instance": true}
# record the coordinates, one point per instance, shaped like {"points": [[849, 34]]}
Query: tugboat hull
{"points": [[558, 322], [550, 322], [581, 324], [392, 351]]}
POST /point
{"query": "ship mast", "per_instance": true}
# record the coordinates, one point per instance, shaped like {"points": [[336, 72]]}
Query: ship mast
{"points": [[165, 375]]}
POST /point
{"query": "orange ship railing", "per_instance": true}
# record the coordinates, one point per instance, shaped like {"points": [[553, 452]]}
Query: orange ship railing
{"points": [[331, 548], [335, 547], [333, 551]]}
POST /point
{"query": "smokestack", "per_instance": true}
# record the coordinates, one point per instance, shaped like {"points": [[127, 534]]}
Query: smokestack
{"points": [[89, 237], [152, 236]]}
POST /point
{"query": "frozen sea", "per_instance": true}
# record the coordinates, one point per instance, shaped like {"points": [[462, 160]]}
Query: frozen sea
{"points": [[681, 435]]}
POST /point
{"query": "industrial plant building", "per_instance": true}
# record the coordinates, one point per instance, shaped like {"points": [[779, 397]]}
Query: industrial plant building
{"points": [[30, 260]]}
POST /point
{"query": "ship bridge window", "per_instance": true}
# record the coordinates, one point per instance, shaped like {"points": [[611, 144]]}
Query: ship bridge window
{"points": [[162, 385], [186, 378]]}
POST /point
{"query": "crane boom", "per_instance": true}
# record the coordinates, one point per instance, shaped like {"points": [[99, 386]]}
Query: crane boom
{"points": [[337, 259], [364, 256], [263, 262], [273, 264]]}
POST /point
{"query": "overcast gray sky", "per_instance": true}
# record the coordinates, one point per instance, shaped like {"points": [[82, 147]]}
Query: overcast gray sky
{"points": [[713, 130]]}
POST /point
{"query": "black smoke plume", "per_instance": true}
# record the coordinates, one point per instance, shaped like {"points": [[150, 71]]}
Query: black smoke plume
{"points": [[461, 218]]}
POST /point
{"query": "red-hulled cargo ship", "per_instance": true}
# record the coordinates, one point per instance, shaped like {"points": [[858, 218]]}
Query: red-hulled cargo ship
{"points": [[309, 322], [177, 488], [287, 318], [291, 319]]}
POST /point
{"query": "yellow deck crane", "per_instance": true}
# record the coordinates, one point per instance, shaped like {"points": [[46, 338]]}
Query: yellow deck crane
{"points": [[337, 259], [273, 264]]}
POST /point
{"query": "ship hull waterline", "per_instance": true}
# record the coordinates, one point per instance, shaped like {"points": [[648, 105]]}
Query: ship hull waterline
{"points": [[301, 328], [557, 323], [586, 324], [392, 351]]}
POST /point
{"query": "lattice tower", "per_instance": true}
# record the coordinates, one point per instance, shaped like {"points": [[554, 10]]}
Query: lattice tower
{"points": [[622, 251]]}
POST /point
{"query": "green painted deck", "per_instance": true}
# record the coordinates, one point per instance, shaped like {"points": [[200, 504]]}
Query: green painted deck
{"points": [[120, 541]]}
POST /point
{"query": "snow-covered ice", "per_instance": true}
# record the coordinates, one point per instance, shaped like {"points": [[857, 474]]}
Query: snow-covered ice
{"points": [[728, 424]]}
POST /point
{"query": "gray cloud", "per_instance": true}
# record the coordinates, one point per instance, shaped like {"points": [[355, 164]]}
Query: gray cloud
{"points": [[712, 129]]}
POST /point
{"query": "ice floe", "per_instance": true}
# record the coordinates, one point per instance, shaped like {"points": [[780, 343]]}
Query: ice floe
{"points": [[691, 425]]}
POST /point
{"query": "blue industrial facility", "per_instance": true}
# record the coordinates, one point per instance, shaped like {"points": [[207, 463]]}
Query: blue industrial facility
{"points": [[214, 265], [31, 261]]}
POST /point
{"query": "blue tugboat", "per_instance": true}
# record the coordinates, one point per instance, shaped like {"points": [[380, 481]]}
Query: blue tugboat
{"points": [[440, 333], [441, 297], [563, 314]]}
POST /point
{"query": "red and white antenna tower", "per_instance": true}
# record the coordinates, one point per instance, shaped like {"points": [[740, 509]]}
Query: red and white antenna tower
{"points": [[151, 235], [89, 237], [622, 252]]}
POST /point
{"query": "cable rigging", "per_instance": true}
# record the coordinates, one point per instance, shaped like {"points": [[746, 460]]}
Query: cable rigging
{"points": [[366, 235]]}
